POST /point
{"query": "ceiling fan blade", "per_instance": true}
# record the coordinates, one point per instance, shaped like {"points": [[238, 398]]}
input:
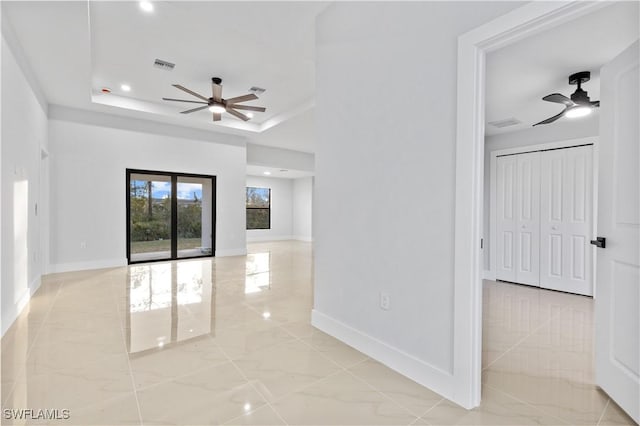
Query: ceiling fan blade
{"points": [[189, 111], [559, 99], [250, 108], [235, 113], [191, 92], [183, 100], [217, 92], [217, 116], [595, 104], [243, 98], [552, 119]]}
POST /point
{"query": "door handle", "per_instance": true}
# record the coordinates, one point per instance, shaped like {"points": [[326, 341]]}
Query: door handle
{"points": [[599, 242]]}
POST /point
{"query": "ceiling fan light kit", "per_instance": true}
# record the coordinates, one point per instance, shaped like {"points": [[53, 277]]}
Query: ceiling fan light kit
{"points": [[579, 105], [216, 104]]}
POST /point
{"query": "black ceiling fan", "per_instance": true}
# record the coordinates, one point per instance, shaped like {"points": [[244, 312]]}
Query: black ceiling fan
{"points": [[579, 104], [216, 104]]}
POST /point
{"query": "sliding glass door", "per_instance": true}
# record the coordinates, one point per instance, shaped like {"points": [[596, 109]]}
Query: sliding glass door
{"points": [[194, 212], [169, 216]]}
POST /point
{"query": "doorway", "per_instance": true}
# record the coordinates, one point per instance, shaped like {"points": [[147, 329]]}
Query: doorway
{"points": [[531, 19], [169, 215], [541, 215]]}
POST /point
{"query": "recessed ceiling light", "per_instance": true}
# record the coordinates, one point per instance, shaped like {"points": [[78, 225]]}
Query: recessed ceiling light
{"points": [[249, 114], [267, 173], [266, 315], [125, 87], [147, 6]]}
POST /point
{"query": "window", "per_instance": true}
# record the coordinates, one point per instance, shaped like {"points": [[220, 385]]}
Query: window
{"points": [[258, 208]]}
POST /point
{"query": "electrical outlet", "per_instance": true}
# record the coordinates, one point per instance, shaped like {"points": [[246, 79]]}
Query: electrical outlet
{"points": [[385, 302], [83, 244]]}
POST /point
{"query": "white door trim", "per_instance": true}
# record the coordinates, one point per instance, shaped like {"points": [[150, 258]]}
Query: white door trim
{"points": [[520, 23], [493, 178]]}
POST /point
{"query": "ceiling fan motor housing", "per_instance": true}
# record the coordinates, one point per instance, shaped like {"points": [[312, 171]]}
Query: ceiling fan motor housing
{"points": [[580, 96]]}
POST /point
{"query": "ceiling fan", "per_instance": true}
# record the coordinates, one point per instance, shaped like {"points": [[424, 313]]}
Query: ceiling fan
{"points": [[578, 106], [216, 104]]}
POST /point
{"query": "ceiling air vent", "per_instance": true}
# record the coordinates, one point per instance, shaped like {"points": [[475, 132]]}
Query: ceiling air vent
{"points": [[163, 65], [257, 90], [505, 123]]}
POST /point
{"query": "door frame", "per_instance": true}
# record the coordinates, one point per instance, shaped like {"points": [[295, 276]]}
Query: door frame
{"points": [[473, 46], [490, 274], [174, 211]]}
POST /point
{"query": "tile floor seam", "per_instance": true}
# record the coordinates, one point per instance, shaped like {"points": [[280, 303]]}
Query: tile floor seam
{"points": [[434, 406], [250, 382], [126, 352], [388, 396], [530, 405], [324, 355], [536, 329], [603, 411], [307, 386], [267, 402], [181, 376], [35, 338], [383, 394]]}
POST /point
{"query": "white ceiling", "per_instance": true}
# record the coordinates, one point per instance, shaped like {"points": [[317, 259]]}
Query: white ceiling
{"points": [[296, 133], [76, 48], [519, 75]]}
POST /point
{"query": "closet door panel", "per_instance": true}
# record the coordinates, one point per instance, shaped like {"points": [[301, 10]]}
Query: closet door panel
{"points": [[528, 218], [551, 217], [506, 218], [566, 210], [578, 226]]}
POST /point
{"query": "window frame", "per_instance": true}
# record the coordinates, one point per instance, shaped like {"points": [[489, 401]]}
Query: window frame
{"points": [[173, 176], [247, 208]]}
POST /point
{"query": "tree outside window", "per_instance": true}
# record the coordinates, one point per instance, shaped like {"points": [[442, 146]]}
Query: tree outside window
{"points": [[258, 208]]}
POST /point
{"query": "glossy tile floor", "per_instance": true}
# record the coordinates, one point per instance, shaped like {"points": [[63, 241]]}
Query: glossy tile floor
{"points": [[228, 341]]}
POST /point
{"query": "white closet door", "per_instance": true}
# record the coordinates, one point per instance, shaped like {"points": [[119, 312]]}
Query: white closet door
{"points": [[528, 219], [518, 218], [566, 208], [506, 217]]}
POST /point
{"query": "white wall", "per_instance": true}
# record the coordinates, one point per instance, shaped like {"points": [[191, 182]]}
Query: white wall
{"points": [[261, 155], [281, 209], [302, 209], [24, 134], [385, 179], [88, 189], [559, 131]]}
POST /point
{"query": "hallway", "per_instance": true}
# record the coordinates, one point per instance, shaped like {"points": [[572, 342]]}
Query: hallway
{"points": [[228, 341]]}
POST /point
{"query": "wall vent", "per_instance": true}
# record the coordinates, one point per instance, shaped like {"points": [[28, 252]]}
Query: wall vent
{"points": [[164, 65], [505, 123]]}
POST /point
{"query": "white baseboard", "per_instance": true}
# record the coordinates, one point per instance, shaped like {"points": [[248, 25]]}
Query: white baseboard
{"points": [[231, 252], [306, 238], [488, 275], [10, 316], [408, 365], [265, 238], [82, 266]]}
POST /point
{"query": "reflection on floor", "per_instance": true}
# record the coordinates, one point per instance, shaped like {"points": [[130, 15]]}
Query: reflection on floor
{"points": [[228, 341]]}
